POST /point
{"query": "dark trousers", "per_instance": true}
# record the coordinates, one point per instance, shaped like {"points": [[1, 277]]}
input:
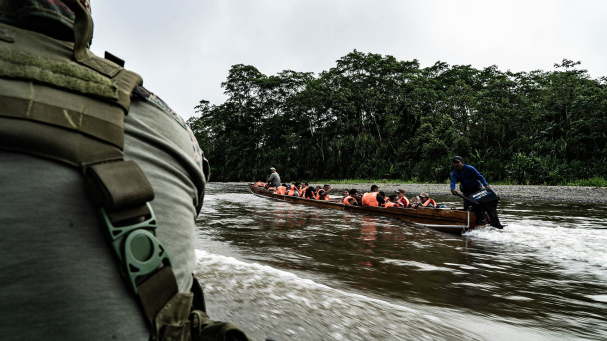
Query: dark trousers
{"points": [[466, 192]]}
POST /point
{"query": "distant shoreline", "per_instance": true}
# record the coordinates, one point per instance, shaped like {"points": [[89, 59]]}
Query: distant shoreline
{"points": [[524, 192]]}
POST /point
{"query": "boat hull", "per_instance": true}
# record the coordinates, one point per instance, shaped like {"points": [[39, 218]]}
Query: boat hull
{"points": [[440, 219]]}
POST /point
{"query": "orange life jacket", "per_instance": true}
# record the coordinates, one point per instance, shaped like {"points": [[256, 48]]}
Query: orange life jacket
{"points": [[404, 201], [347, 200], [292, 191], [318, 195], [281, 190], [259, 184], [391, 204], [428, 202], [370, 199]]}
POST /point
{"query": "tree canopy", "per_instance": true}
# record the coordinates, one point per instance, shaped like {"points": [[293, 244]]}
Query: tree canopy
{"points": [[374, 117]]}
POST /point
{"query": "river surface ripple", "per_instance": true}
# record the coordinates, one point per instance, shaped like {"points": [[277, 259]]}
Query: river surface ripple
{"points": [[294, 272]]}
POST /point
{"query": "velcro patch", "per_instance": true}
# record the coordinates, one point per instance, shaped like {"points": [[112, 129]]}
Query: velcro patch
{"points": [[16, 64]]}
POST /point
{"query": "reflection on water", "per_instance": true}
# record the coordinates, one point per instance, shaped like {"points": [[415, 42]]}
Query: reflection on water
{"points": [[328, 274]]}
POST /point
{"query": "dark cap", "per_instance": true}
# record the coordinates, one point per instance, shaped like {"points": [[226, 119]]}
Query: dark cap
{"points": [[400, 190], [458, 159]]}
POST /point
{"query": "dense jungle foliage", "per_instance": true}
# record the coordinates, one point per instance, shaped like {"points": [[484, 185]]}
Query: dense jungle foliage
{"points": [[374, 117]]}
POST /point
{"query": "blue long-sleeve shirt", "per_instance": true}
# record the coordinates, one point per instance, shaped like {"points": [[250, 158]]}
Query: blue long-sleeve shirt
{"points": [[469, 177]]}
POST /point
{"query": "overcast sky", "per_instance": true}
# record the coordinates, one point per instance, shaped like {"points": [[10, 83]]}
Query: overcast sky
{"points": [[183, 49]]}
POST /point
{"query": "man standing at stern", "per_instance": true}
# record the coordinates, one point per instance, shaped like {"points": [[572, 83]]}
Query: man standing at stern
{"points": [[469, 178], [274, 179]]}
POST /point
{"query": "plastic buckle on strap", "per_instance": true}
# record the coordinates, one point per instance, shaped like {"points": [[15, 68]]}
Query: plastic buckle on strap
{"points": [[136, 246]]}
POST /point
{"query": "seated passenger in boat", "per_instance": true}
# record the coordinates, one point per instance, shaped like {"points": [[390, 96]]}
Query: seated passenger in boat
{"points": [[373, 198], [395, 199], [357, 195], [323, 193], [282, 189], [349, 199], [402, 199], [310, 193], [383, 195], [288, 188], [294, 190], [392, 202], [352, 199], [425, 201], [302, 189], [346, 193]]}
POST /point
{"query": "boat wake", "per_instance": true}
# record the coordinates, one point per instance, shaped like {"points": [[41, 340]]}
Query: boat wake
{"points": [[275, 303], [563, 242]]}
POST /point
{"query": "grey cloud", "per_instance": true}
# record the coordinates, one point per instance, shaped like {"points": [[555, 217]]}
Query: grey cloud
{"points": [[184, 49]]}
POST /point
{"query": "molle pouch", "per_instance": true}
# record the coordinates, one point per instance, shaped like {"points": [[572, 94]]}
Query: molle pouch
{"points": [[205, 329]]}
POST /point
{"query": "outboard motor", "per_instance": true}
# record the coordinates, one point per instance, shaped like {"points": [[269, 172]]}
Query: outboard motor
{"points": [[484, 203]]}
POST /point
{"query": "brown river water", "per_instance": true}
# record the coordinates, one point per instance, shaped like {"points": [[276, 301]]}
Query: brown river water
{"points": [[295, 272]]}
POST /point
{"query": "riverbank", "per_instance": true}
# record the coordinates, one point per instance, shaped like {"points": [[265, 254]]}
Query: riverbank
{"points": [[524, 192]]}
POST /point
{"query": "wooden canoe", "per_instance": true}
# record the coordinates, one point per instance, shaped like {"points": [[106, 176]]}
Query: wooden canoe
{"points": [[440, 219]]}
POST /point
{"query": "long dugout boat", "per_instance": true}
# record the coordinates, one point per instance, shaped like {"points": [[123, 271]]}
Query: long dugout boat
{"points": [[440, 219]]}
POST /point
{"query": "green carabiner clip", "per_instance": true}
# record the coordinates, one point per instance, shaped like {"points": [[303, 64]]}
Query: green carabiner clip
{"points": [[136, 246]]}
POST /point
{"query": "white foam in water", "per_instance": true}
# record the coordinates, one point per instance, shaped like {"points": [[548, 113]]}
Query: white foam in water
{"points": [[463, 266], [421, 266], [598, 298], [205, 259], [267, 302], [293, 308], [588, 245]]}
